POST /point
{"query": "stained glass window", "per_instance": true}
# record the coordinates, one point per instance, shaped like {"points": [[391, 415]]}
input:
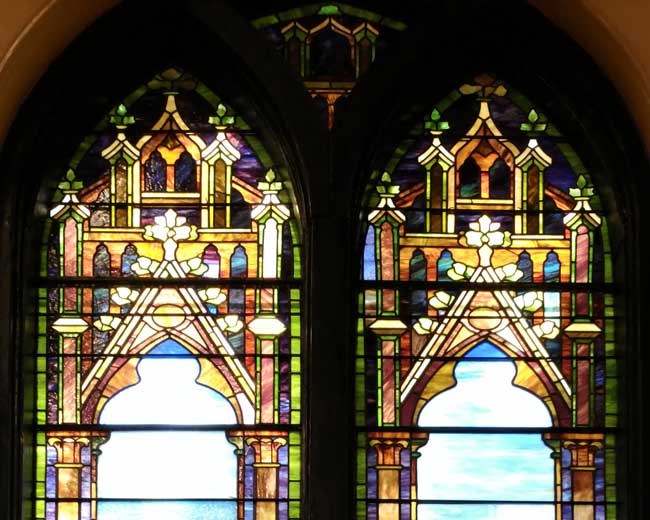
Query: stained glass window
{"points": [[168, 367], [329, 46], [485, 359]]}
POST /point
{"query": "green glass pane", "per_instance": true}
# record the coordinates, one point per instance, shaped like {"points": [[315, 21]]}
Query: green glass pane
{"points": [[294, 509], [39, 509], [294, 489]]}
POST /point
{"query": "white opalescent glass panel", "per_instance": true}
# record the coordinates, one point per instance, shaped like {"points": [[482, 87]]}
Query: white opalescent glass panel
{"points": [[167, 464]]}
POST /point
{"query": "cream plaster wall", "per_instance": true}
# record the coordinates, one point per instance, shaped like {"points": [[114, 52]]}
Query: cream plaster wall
{"points": [[33, 33], [614, 32]]}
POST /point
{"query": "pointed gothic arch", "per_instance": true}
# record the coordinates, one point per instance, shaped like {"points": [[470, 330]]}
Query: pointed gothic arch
{"points": [[529, 376], [329, 491], [555, 334], [159, 227], [213, 373]]}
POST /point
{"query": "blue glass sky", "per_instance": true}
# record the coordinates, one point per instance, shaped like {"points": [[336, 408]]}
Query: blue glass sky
{"points": [[167, 464], [485, 466]]}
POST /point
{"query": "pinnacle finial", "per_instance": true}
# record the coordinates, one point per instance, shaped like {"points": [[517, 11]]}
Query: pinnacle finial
{"points": [[485, 85], [172, 81], [385, 186], [583, 189], [120, 117], [582, 213], [222, 119], [70, 184], [535, 125], [435, 123], [270, 184]]}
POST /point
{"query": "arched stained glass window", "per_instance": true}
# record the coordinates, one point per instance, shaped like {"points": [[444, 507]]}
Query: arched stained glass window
{"points": [[499, 399], [168, 365]]}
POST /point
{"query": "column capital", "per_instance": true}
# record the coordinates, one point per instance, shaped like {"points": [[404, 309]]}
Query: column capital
{"points": [[389, 445], [83, 438], [68, 444], [266, 444], [70, 466], [583, 447], [265, 486]]}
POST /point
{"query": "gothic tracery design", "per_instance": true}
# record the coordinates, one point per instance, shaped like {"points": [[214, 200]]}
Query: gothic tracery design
{"points": [[329, 46], [169, 227], [484, 235]]}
